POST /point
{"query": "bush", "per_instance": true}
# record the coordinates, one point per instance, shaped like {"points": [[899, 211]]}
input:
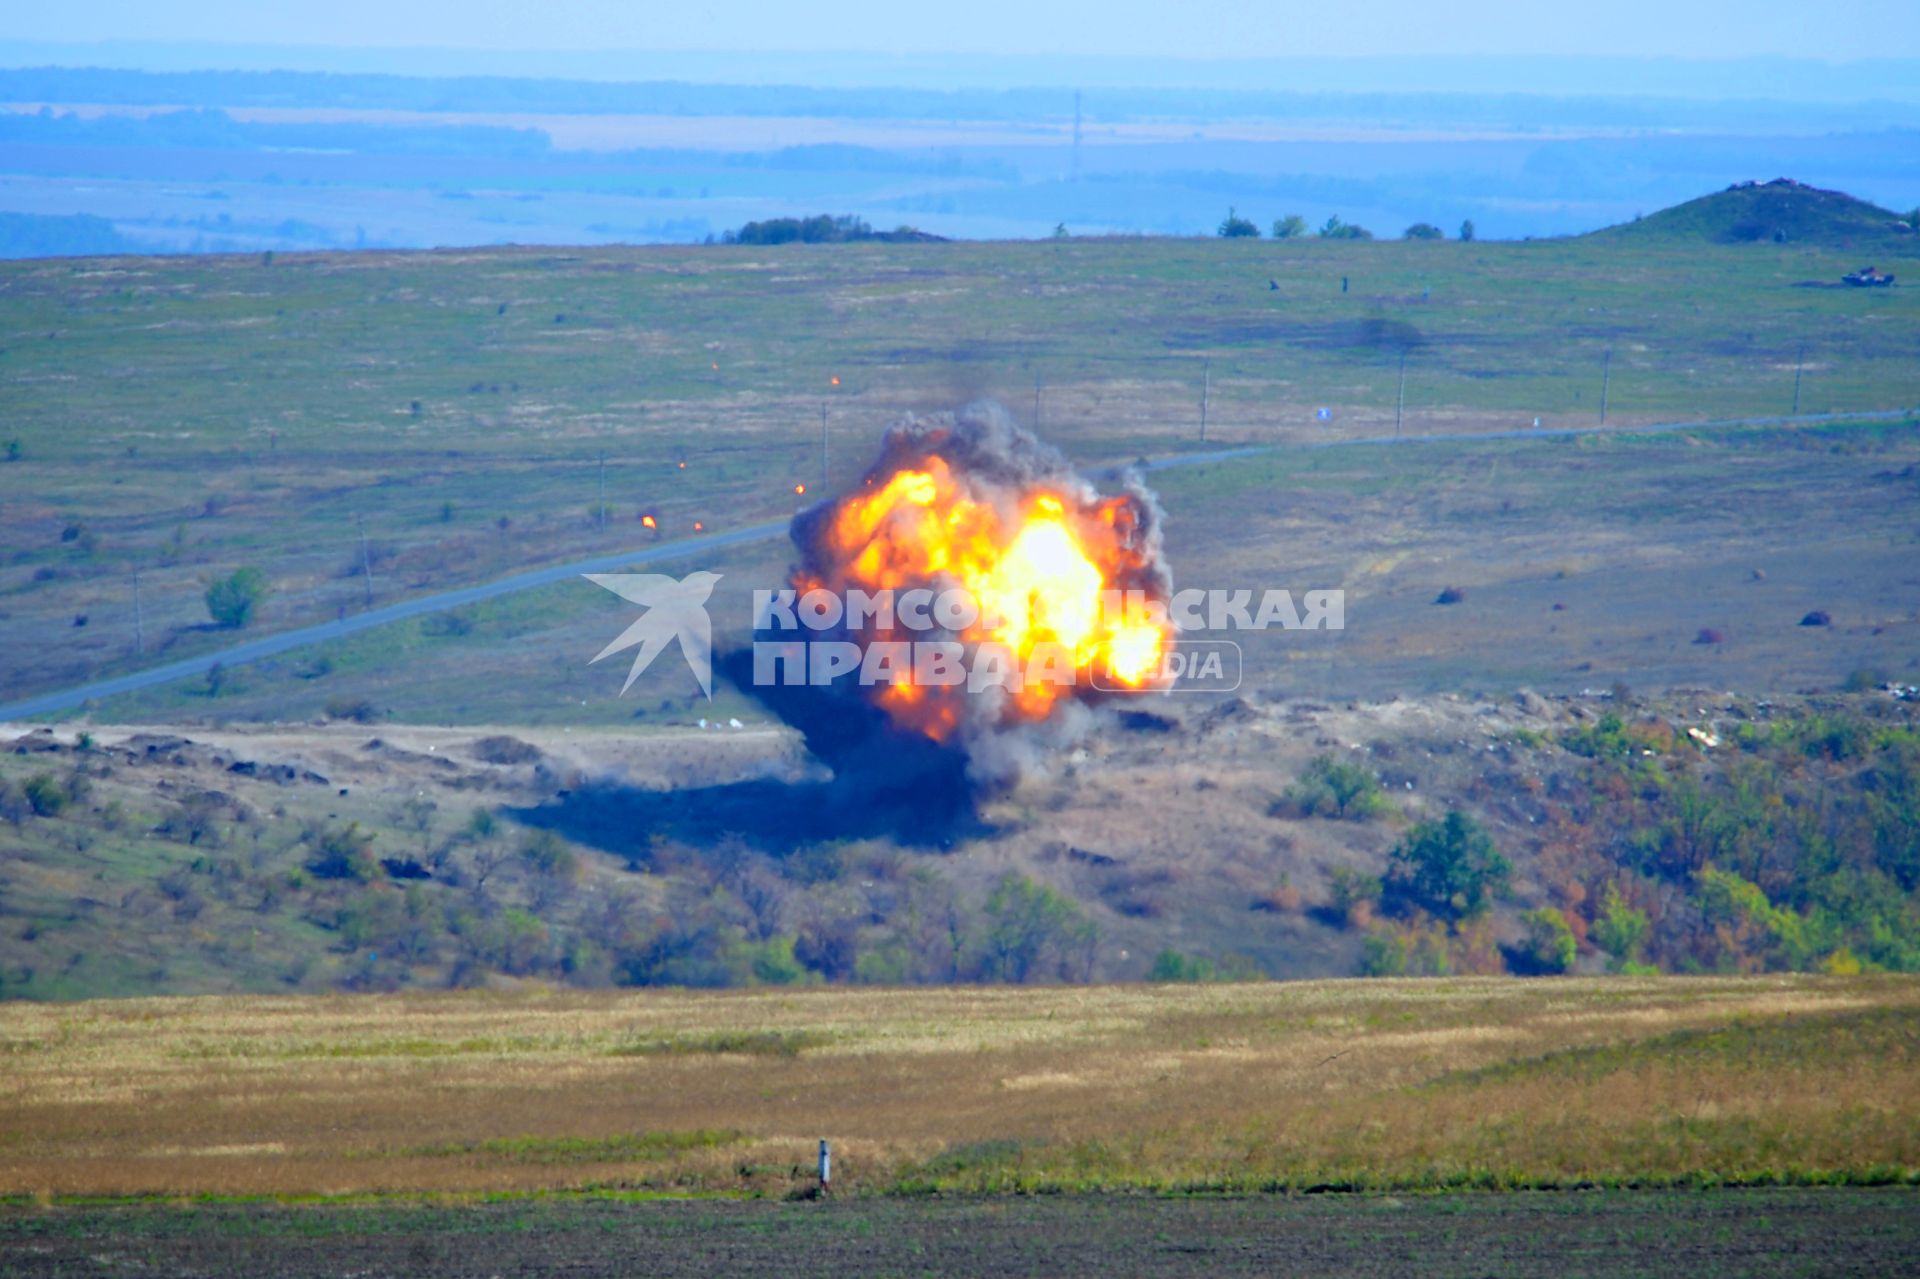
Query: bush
{"points": [[1171, 965], [1351, 895], [1291, 227], [232, 600], [45, 795], [1334, 788], [1032, 931], [1423, 231], [1548, 946], [1466, 230], [1620, 930], [1335, 229], [1235, 227], [14, 806], [547, 854], [357, 709], [1863, 680], [341, 852], [1449, 867]]}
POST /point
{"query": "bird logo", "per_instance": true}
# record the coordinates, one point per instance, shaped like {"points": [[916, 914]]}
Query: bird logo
{"points": [[676, 609]]}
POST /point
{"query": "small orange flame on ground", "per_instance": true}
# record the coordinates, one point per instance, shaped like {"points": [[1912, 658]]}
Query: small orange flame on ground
{"points": [[1045, 577], [836, 381], [683, 466], [698, 527], [647, 521], [800, 488]]}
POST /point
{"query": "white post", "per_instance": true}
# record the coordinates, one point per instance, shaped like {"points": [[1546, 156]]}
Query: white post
{"points": [[366, 558], [826, 1166], [1206, 393]]}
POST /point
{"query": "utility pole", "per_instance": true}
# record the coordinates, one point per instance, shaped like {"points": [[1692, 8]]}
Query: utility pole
{"points": [[1206, 393], [366, 558], [1606, 377], [1799, 366], [1076, 133], [825, 454], [1400, 403], [139, 624]]}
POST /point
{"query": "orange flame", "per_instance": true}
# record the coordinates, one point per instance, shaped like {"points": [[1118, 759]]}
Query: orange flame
{"points": [[836, 380], [800, 489], [1045, 576], [647, 521]]}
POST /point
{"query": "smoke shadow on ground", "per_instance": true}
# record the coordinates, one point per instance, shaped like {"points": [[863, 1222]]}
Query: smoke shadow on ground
{"points": [[886, 783]]}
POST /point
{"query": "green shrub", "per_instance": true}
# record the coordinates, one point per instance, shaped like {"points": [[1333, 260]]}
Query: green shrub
{"points": [[1449, 867], [231, 600], [1350, 892], [45, 795], [1620, 930], [547, 854], [1235, 227], [1336, 788], [341, 852], [1172, 966], [1548, 946], [1032, 931]]}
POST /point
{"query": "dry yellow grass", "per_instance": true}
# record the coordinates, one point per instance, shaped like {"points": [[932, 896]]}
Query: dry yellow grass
{"points": [[1450, 1082]]}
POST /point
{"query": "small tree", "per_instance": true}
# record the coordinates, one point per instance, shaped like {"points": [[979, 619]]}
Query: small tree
{"points": [[1334, 229], [1549, 946], [231, 600], [1029, 922], [47, 796], [1423, 231], [1466, 229], [1620, 931], [1235, 227], [341, 852], [1336, 788], [1450, 867], [1291, 227]]}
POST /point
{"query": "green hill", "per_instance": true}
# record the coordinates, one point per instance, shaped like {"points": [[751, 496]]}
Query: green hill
{"points": [[1781, 211]]}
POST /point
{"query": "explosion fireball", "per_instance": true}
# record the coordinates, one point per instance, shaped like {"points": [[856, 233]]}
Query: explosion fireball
{"points": [[1061, 575]]}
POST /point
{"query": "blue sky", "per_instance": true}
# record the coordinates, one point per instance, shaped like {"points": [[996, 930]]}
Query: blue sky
{"points": [[1838, 30]]}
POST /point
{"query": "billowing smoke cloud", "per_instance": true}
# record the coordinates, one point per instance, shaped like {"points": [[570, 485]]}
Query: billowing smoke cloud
{"points": [[970, 500]]}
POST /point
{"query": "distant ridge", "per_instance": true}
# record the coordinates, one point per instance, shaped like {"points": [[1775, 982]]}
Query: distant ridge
{"points": [[1782, 211]]}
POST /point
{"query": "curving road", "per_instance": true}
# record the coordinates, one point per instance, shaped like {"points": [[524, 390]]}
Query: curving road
{"points": [[285, 641]]}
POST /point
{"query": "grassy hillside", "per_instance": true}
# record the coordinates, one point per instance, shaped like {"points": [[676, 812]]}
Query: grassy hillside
{"points": [[1288, 840], [1401, 1085], [1778, 212]]}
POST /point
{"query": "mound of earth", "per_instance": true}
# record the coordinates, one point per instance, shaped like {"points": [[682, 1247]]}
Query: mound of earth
{"points": [[1782, 211]]}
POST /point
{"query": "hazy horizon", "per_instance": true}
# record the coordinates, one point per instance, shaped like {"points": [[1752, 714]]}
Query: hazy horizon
{"points": [[1887, 75]]}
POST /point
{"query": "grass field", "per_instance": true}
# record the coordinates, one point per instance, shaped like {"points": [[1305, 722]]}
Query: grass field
{"points": [[1382, 1086], [179, 418], [1736, 1234]]}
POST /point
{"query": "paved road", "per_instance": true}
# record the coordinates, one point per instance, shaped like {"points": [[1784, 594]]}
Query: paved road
{"points": [[661, 552]]}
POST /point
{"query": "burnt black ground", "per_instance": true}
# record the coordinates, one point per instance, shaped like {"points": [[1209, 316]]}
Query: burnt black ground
{"points": [[1696, 1234]]}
